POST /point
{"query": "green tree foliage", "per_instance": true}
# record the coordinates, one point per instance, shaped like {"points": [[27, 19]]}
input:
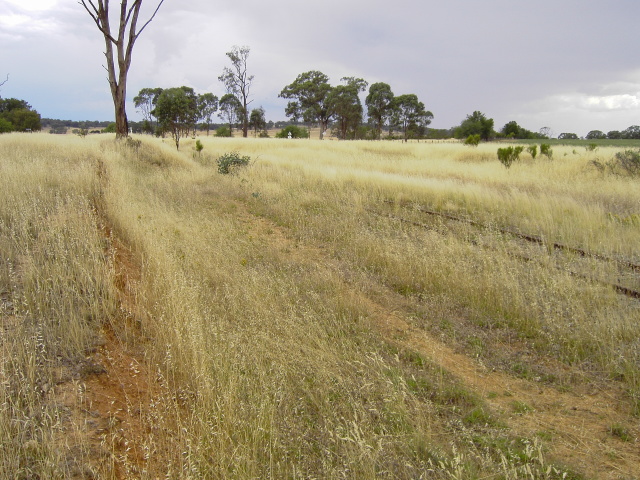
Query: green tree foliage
{"points": [[345, 106], [145, 102], [308, 94], [230, 110], [223, 131], [545, 149], [614, 135], [5, 126], [207, 106], [533, 151], [177, 111], [595, 135], [513, 130], [476, 124], [257, 120], [296, 132], [379, 106], [19, 115], [632, 133], [238, 82], [568, 136], [410, 115]]}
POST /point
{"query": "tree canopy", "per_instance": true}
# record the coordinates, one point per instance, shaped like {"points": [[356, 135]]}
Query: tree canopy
{"points": [[238, 82], [410, 116], [476, 124], [177, 111], [345, 107], [230, 110], [309, 93], [379, 103], [18, 116]]}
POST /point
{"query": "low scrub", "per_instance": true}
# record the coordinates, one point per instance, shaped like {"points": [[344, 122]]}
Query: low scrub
{"points": [[509, 155], [230, 162], [626, 163]]}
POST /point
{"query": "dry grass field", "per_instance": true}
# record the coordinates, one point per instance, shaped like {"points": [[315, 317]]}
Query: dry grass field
{"points": [[334, 310]]}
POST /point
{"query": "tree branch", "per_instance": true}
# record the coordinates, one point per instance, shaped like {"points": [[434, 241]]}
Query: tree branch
{"points": [[98, 15], [149, 21]]}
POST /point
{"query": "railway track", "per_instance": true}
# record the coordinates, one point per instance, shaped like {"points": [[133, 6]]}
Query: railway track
{"points": [[624, 264]]}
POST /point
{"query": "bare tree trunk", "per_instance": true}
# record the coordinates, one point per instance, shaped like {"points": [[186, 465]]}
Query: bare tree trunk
{"points": [[127, 37]]}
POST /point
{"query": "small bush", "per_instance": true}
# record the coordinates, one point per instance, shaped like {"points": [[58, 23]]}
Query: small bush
{"points": [[623, 163], [472, 140], [629, 161], [545, 149], [533, 150], [5, 126], [296, 132], [229, 162], [223, 131], [509, 155], [199, 147]]}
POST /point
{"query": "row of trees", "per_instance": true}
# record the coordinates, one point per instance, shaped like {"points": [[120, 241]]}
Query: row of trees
{"points": [[315, 101], [478, 124], [179, 111]]}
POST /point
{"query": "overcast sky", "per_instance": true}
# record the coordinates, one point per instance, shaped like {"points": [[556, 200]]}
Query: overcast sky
{"points": [[571, 65]]}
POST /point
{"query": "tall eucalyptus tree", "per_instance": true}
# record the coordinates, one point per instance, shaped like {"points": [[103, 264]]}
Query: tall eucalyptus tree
{"points": [[119, 48]]}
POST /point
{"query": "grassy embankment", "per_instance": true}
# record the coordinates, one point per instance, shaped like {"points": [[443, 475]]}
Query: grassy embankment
{"points": [[254, 295]]}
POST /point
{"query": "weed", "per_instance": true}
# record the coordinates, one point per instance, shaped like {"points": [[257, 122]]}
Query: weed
{"points": [[520, 408], [620, 432]]}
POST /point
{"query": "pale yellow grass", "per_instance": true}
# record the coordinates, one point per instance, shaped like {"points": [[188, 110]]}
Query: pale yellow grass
{"points": [[254, 297]]}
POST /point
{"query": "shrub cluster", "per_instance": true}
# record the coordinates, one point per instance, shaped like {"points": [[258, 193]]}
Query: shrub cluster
{"points": [[626, 162]]}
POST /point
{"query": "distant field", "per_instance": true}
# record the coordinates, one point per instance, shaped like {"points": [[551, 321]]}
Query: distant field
{"points": [[333, 310]]}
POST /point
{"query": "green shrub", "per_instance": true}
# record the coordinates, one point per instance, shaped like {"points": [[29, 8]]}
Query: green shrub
{"points": [[509, 155], [629, 161], [229, 162], [61, 130], [5, 126], [296, 132], [199, 147], [223, 131], [533, 150], [472, 140], [545, 149]]}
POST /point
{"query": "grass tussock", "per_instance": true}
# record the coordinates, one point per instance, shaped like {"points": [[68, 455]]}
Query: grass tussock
{"points": [[253, 303]]}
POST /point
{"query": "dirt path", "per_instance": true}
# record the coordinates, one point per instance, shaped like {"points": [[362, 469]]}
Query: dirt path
{"points": [[106, 397], [576, 425]]}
